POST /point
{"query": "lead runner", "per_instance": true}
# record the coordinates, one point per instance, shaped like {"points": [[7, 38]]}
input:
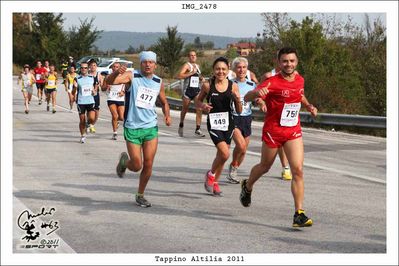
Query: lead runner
{"points": [[283, 94], [140, 121]]}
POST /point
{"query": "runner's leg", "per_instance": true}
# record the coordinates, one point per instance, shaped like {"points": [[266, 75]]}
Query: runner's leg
{"points": [[295, 155]]}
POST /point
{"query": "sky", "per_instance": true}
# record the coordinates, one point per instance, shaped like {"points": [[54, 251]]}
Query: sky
{"points": [[220, 24]]}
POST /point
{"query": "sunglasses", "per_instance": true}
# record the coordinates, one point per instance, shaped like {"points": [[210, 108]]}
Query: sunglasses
{"points": [[84, 67]]}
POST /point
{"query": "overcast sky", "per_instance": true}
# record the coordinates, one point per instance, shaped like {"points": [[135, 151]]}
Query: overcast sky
{"points": [[222, 24]]}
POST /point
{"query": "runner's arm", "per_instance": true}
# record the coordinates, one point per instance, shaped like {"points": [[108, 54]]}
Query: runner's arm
{"points": [[309, 107], [236, 98], [115, 78], [259, 92], [165, 105], [184, 72], [201, 96]]}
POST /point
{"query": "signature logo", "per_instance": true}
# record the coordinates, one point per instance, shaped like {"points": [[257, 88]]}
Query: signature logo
{"points": [[36, 225]]}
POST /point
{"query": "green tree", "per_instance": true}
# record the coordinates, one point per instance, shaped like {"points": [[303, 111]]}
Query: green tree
{"points": [[81, 39], [169, 50], [197, 43], [209, 45], [22, 36], [48, 37], [130, 50], [231, 53]]}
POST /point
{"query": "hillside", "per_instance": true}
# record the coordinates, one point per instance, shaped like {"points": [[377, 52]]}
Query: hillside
{"points": [[120, 40]]}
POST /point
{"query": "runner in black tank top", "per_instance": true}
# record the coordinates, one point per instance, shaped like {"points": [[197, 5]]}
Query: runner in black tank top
{"points": [[221, 103], [220, 93]]}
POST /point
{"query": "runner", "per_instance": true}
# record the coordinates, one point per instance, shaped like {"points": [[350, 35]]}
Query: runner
{"points": [[99, 79], [220, 93], [27, 79], [85, 86], [249, 76], [286, 171], [69, 79], [47, 65], [51, 88], [140, 123], [191, 74], [40, 75], [242, 122], [283, 94], [64, 71], [115, 101]]}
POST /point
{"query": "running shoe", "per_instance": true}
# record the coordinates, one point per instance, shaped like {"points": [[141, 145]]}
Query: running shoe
{"points": [[82, 139], [245, 195], [48, 108], [199, 133], [40, 101], [209, 181], [26, 111], [142, 202], [54, 111], [121, 167], [216, 190], [232, 175], [301, 220], [180, 131], [92, 129], [286, 174], [114, 136]]}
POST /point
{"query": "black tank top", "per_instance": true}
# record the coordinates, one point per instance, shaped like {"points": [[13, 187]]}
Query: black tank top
{"points": [[221, 101]]}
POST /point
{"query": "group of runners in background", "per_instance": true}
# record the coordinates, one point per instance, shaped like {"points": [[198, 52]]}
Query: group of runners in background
{"points": [[230, 94]]}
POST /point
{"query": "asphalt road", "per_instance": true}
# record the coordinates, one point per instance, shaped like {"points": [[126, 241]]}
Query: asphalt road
{"points": [[94, 210]]}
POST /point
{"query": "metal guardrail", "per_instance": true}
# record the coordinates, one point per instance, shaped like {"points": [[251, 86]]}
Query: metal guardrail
{"points": [[361, 121]]}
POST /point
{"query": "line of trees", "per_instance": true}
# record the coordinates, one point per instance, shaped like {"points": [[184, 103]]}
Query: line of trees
{"points": [[344, 65], [40, 36]]}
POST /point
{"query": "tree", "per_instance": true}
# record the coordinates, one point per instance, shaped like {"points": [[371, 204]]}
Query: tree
{"points": [[197, 43], [344, 65], [130, 50], [168, 50], [81, 40], [48, 37], [22, 36], [208, 45]]}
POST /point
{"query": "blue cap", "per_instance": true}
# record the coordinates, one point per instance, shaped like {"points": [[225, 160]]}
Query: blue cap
{"points": [[148, 55]]}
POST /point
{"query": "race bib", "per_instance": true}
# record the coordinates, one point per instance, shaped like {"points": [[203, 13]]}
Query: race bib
{"points": [[86, 90], [146, 98], [246, 107], [26, 83], [289, 115], [70, 86], [194, 82], [114, 91], [219, 121], [38, 76], [51, 82]]}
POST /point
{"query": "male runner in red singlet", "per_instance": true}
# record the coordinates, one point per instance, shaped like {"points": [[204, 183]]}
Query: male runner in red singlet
{"points": [[283, 94]]}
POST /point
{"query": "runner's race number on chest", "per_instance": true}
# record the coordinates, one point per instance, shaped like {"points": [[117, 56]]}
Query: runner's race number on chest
{"points": [[194, 82], [219, 121], [289, 115], [146, 98]]}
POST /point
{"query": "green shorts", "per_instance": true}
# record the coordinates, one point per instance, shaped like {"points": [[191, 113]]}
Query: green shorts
{"points": [[140, 135]]}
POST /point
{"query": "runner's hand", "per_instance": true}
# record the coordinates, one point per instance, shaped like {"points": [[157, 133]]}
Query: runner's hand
{"points": [[168, 120], [263, 91], [122, 69], [206, 107]]}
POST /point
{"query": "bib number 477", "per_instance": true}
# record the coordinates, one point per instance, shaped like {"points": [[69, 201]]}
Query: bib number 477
{"points": [[146, 97]]}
